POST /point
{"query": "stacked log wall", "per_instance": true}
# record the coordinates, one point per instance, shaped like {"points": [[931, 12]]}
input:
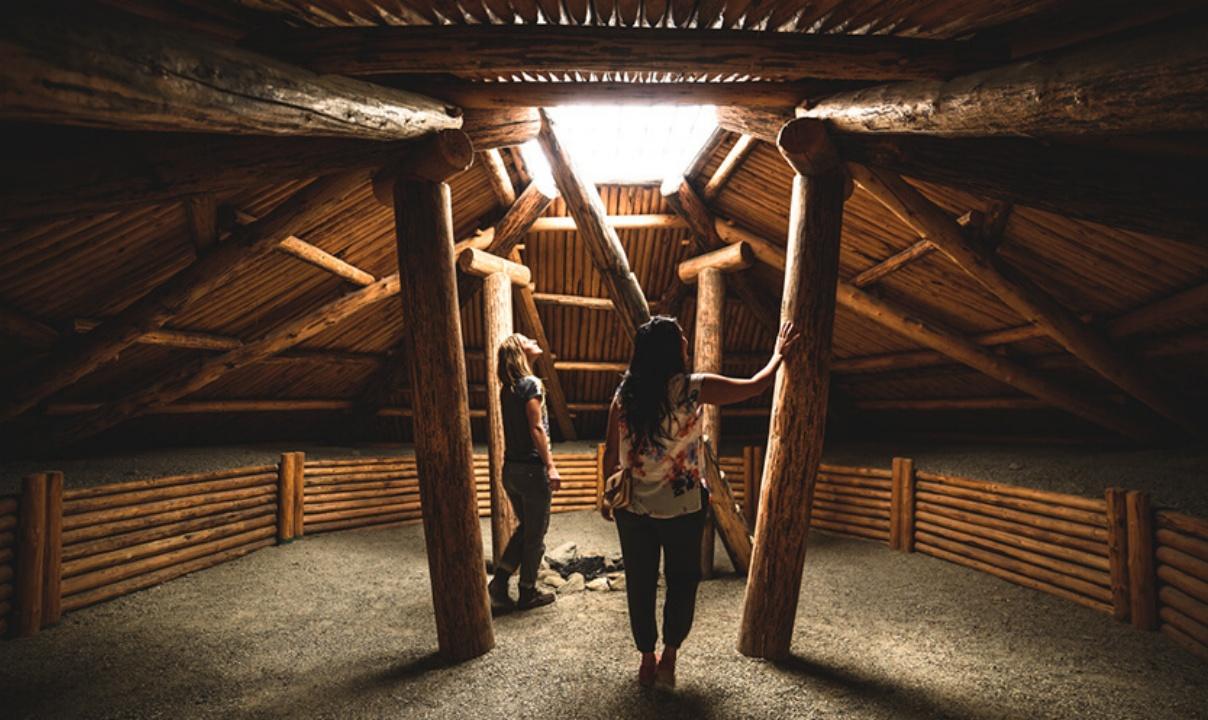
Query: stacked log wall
{"points": [[1181, 566]]}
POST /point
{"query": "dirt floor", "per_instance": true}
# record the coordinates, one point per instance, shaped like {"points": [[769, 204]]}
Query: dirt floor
{"points": [[340, 626]]}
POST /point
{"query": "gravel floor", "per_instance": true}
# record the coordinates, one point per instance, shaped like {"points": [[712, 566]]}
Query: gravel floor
{"points": [[340, 626]]}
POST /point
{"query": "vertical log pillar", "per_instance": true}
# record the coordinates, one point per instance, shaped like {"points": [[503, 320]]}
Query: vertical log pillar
{"points": [[600, 477], [299, 500], [710, 305], [1117, 550], [497, 317], [901, 506], [1142, 581], [444, 452], [799, 404], [30, 571], [286, 476], [52, 573]]}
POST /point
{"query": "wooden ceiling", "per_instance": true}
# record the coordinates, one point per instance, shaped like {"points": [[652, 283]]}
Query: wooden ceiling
{"points": [[61, 273]]}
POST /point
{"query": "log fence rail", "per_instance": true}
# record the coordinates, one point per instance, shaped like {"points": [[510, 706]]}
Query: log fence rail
{"points": [[65, 549]]}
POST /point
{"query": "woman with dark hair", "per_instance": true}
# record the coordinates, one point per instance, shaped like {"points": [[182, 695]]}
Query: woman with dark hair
{"points": [[654, 431]]}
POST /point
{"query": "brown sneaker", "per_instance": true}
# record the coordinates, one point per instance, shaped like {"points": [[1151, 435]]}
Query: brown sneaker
{"points": [[533, 598]]}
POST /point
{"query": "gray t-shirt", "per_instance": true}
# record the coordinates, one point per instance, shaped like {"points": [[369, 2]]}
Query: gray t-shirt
{"points": [[518, 441]]}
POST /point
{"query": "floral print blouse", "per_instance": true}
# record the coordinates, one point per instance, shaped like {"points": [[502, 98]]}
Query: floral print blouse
{"points": [[667, 480]]}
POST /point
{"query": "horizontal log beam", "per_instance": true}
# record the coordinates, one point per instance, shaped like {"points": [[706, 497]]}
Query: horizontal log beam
{"points": [[982, 403], [487, 50], [616, 222], [579, 301], [105, 70], [491, 129], [518, 93], [1157, 195], [731, 258], [591, 366], [480, 263], [1150, 84]]}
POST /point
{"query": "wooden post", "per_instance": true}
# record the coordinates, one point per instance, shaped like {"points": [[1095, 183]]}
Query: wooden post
{"points": [[1117, 551], [30, 567], [444, 452], [497, 320], [710, 307], [286, 476], [799, 404], [600, 476], [753, 468], [299, 499], [52, 592], [901, 506], [1142, 591]]}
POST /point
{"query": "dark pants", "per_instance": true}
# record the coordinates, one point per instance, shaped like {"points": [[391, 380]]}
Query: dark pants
{"points": [[642, 538], [527, 487]]}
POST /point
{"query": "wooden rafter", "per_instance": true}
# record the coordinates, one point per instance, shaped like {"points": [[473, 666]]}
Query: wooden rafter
{"points": [[194, 376], [495, 50], [1020, 294], [986, 229], [318, 257], [604, 247], [103, 70], [1154, 83], [1157, 195], [729, 165], [72, 361], [500, 95]]}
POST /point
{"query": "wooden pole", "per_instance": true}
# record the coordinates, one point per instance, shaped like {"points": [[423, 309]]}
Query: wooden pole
{"points": [[1142, 576], [497, 174], [600, 476], [96, 69], [497, 322], [732, 161], [483, 264], [52, 594], [584, 204], [298, 502], [1117, 550], [706, 358], [444, 452], [730, 258], [501, 239], [30, 567], [798, 415], [286, 476], [901, 508]]}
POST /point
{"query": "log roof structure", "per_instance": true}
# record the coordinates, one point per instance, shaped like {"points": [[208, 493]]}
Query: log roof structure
{"points": [[1085, 312]]}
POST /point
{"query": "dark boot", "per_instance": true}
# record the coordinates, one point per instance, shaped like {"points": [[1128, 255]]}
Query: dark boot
{"points": [[498, 590], [531, 597]]}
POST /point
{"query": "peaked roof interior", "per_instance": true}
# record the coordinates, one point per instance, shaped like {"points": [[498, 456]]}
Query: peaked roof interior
{"points": [[66, 273]]}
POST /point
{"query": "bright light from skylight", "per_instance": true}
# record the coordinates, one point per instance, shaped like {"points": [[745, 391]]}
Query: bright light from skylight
{"points": [[626, 143]]}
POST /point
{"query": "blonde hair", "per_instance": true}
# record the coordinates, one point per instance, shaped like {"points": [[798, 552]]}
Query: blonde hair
{"points": [[513, 364]]}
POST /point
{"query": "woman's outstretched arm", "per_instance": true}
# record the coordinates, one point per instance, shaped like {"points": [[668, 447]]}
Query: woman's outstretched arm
{"points": [[722, 390]]}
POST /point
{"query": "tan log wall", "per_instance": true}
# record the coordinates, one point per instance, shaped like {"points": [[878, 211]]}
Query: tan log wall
{"points": [[123, 537]]}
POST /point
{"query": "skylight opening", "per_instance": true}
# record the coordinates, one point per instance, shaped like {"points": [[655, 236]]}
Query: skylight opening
{"points": [[626, 144]]}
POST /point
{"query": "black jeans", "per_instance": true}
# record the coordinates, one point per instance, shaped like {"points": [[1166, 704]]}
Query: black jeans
{"points": [[642, 537], [527, 486]]}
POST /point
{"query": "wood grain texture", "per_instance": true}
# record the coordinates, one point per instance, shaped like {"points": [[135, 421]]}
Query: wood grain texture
{"points": [[497, 320]]}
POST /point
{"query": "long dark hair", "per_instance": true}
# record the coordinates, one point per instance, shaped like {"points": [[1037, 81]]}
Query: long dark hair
{"points": [[658, 356]]}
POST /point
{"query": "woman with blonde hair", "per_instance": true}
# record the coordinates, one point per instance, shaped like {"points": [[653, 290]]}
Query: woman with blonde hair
{"points": [[529, 473]]}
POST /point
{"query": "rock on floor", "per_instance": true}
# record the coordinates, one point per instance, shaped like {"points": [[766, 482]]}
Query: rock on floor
{"points": [[340, 626]]}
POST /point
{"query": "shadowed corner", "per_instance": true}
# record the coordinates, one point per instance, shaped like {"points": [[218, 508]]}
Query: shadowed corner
{"points": [[898, 701]]}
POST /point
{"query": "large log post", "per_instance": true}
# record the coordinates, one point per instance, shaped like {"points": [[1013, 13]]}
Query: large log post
{"points": [[497, 319], [444, 452], [799, 403], [1023, 296], [603, 245], [706, 358], [73, 361], [94, 69], [29, 579], [1151, 84]]}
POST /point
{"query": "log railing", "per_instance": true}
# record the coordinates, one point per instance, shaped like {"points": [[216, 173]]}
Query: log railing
{"points": [[62, 550]]}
